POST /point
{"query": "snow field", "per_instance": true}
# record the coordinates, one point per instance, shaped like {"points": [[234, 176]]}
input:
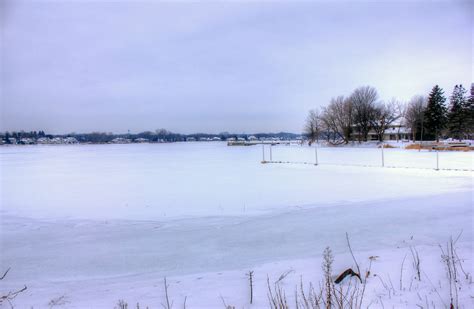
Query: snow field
{"points": [[88, 225]]}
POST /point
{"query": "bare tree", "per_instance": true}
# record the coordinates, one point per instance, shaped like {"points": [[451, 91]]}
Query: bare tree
{"points": [[402, 111], [384, 115], [363, 100], [415, 113], [337, 116], [313, 126]]}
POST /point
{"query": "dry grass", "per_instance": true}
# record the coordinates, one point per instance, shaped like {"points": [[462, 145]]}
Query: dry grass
{"points": [[455, 148], [328, 295], [413, 146], [439, 147]]}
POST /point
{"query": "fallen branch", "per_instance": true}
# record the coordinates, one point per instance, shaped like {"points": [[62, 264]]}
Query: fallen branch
{"points": [[12, 295], [347, 272]]}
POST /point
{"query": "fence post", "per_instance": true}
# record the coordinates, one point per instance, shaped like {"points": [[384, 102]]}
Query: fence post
{"points": [[271, 158], [383, 159], [437, 160], [316, 155], [263, 152]]}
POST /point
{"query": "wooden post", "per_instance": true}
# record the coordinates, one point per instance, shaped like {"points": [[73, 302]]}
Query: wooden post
{"points": [[263, 152], [383, 159], [315, 155], [271, 159], [437, 159]]}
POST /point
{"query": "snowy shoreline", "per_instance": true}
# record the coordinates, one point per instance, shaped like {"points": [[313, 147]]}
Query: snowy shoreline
{"points": [[73, 257]]}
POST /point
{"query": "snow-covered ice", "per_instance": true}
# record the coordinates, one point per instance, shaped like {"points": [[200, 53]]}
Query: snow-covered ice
{"points": [[98, 223], [157, 181]]}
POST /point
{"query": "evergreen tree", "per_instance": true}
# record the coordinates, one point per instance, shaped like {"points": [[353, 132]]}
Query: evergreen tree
{"points": [[470, 114], [458, 113], [7, 138], [436, 112]]}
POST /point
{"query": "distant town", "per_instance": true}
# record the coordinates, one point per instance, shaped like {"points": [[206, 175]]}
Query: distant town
{"points": [[158, 136]]}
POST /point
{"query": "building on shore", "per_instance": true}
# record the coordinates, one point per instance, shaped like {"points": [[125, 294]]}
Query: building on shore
{"points": [[394, 132]]}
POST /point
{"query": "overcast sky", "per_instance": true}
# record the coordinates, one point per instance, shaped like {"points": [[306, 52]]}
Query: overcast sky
{"points": [[241, 66]]}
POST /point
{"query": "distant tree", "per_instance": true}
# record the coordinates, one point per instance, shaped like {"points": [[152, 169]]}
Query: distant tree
{"points": [[313, 126], [384, 115], [436, 112], [470, 110], [7, 138], [363, 101], [145, 134], [99, 137], [162, 134], [414, 114], [337, 117], [402, 111], [458, 116]]}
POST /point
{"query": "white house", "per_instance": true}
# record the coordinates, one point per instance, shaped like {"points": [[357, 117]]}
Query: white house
{"points": [[394, 132], [141, 140], [57, 140], [27, 141], [43, 140], [70, 140], [120, 140]]}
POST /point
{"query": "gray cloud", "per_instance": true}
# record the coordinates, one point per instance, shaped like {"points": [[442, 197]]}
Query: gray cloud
{"points": [[214, 66]]}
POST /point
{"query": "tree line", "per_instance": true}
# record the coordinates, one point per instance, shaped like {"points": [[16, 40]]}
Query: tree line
{"points": [[23, 134], [159, 135], [352, 118]]}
